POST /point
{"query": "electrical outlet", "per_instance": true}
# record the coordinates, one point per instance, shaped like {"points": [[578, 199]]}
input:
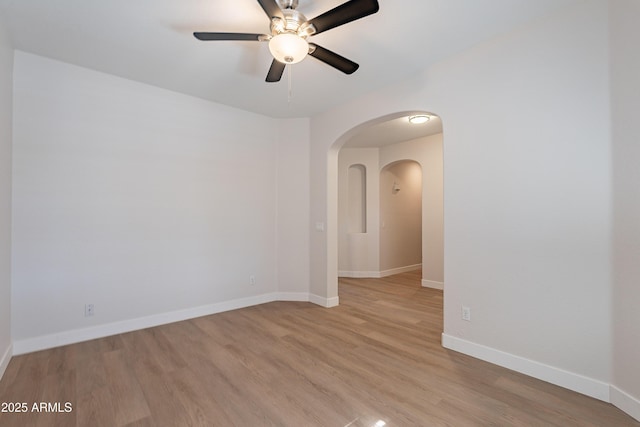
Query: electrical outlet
{"points": [[466, 313], [89, 310], [252, 280]]}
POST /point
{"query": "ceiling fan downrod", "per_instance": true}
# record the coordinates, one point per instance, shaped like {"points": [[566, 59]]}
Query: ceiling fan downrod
{"points": [[288, 4]]}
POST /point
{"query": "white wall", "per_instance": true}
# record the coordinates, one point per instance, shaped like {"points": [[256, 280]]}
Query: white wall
{"points": [[527, 194], [359, 253], [6, 91], [138, 200], [625, 101], [427, 152], [400, 215], [293, 208]]}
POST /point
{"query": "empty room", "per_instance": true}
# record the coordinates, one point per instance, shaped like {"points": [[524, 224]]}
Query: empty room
{"points": [[319, 213]]}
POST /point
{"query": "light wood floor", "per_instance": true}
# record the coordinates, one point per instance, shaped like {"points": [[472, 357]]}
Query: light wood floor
{"points": [[375, 357]]}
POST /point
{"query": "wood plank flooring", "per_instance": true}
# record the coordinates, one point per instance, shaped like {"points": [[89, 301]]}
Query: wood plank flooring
{"points": [[376, 357]]}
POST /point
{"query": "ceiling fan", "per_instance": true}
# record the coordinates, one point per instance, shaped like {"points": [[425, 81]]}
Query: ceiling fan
{"points": [[290, 29]]}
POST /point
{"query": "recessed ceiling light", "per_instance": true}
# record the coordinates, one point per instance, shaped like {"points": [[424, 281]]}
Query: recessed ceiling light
{"points": [[419, 119]]}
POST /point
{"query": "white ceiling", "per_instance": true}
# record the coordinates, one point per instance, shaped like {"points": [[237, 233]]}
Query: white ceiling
{"points": [[393, 130], [151, 41]]}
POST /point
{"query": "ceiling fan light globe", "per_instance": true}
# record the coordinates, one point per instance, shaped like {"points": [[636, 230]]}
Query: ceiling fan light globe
{"points": [[288, 48]]}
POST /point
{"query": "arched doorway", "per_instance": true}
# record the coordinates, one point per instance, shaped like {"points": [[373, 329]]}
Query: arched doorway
{"points": [[367, 156]]}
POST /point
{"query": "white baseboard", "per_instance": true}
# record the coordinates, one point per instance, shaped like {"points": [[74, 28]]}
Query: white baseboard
{"points": [[315, 299], [572, 381], [5, 359], [625, 402], [78, 335], [359, 274], [432, 284], [292, 296], [378, 274], [324, 302], [405, 269]]}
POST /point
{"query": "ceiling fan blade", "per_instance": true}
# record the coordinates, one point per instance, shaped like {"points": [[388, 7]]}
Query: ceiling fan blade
{"points": [[331, 58], [271, 8], [229, 36], [345, 13], [275, 71]]}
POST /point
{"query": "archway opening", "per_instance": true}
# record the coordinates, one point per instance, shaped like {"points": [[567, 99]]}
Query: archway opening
{"points": [[391, 148]]}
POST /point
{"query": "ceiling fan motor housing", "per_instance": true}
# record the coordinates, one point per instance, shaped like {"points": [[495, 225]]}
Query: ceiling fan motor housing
{"points": [[288, 4], [294, 22]]}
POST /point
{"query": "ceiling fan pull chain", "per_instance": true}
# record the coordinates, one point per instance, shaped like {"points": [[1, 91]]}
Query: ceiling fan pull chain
{"points": [[290, 94]]}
